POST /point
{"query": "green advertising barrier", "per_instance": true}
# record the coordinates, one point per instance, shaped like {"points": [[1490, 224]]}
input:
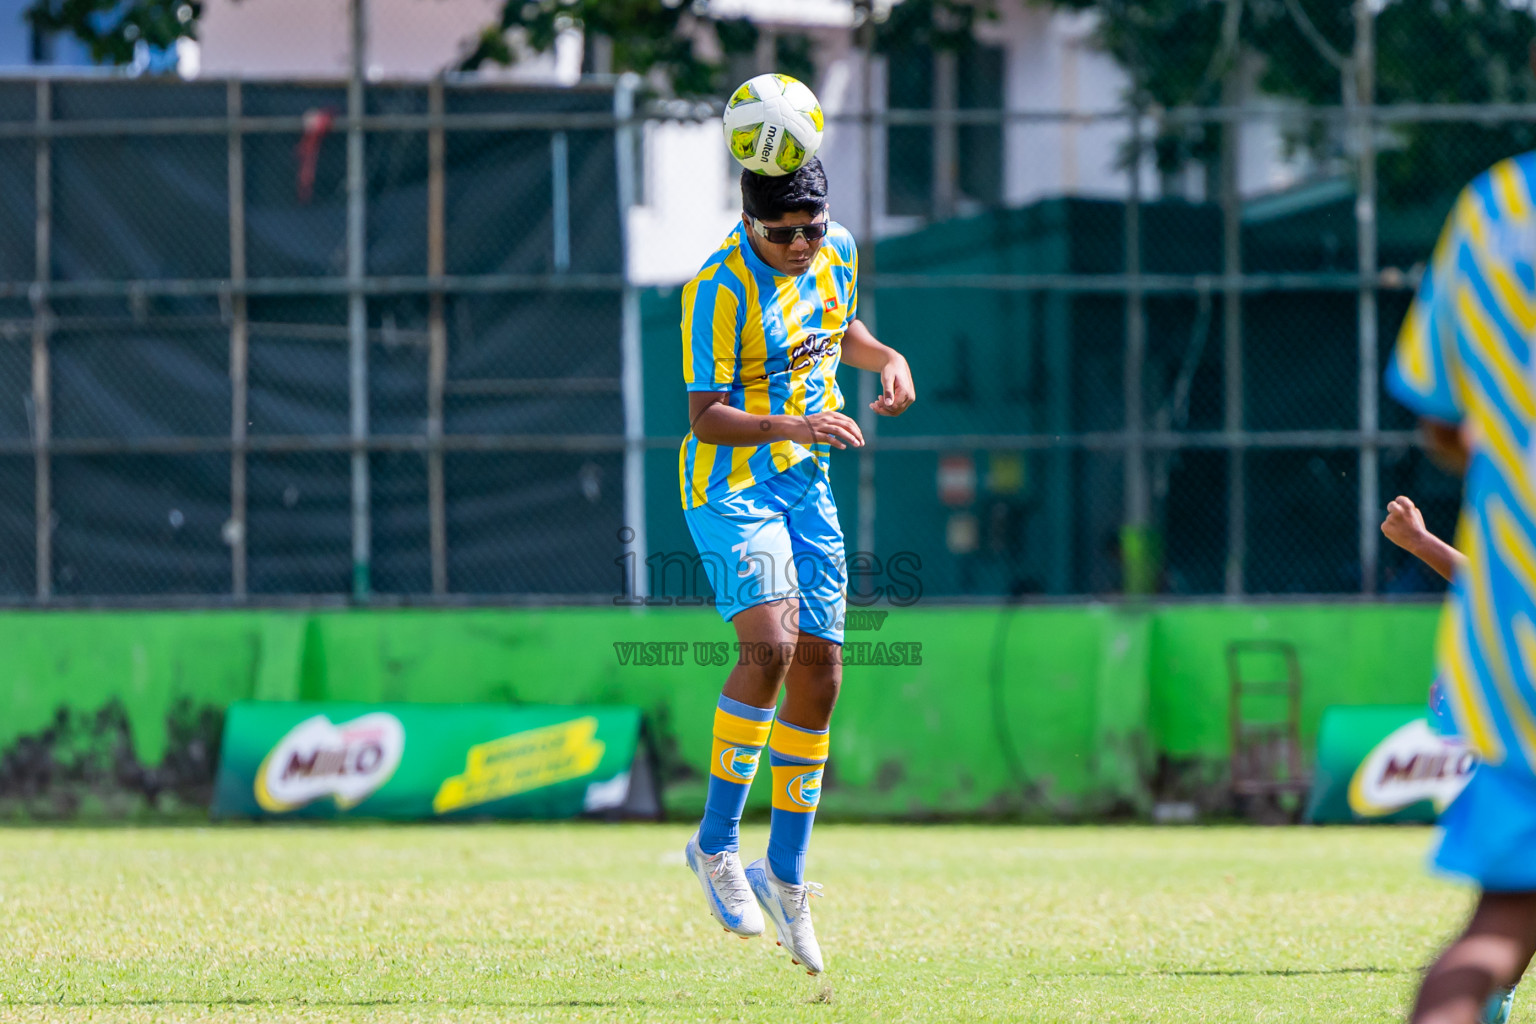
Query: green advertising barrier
{"points": [[416, 761], [1384, 764], [1051, 711]]}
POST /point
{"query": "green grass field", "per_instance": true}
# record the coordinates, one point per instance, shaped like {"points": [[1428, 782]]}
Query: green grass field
{"points": [[557, 923]]}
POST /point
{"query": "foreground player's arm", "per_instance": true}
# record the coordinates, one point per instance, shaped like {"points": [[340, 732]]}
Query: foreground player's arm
{"points": [[1404, 527], [717, 423], [863, 352], [1445, 444]]}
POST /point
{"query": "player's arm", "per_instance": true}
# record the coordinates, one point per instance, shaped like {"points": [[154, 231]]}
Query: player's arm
{"points": [[1445, 443], [1404, 526], [714, 422], [863, 352], [712, 316]]}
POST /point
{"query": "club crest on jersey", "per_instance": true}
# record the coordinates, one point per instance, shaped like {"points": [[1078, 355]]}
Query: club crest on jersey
{"points": [[809, 351], [739, 762], [805, 788], [803, 310]]}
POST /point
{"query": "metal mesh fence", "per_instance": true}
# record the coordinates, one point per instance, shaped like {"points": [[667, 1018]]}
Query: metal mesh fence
{"points": [[254, 348], [286, 340], [1191, 375]]}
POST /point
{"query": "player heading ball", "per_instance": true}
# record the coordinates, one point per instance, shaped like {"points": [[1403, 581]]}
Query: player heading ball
{"points": [[766, 322]]}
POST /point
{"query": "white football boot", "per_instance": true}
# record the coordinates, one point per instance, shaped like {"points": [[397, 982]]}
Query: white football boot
{"points": [[789, 906], [725, 889]]}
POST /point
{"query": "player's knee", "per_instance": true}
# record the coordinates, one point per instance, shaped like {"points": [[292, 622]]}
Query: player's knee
{"points": [[781, 655], [766, 662], [821, 684]]}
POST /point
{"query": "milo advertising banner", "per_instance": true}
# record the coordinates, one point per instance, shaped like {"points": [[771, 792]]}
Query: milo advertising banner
{"points": [[1385, 764], [423, 761]]}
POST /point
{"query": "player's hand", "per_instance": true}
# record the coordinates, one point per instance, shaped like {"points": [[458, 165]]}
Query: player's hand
{"points": [[833, 427], [896, 388], [1404, 525]]}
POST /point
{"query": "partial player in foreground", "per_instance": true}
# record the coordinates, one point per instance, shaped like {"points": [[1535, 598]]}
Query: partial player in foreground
{"points": [[1404, 526], [1464, 364], [765, 324]]}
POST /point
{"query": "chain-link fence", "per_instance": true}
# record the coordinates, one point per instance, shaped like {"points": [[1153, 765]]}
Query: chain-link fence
{"points": [[1164, 394], [272, 340], [303, 342]]}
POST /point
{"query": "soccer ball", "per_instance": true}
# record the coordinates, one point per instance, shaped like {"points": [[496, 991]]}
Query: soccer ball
{"points": [[773, 124]]}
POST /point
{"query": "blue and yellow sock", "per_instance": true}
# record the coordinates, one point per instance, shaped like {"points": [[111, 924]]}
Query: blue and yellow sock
{"points": [[741, 732], [796, 756]]}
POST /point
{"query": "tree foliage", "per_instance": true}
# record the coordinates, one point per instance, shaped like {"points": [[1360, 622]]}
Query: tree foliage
{"points": [[932, 24], [666, 40], [1453, 53], [682, 48], [1176, 53], [655, 39], [1427, 51], [114, 29]]}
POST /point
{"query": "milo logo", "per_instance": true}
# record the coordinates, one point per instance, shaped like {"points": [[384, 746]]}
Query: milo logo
{"points": [[347, 761], [740, 762], [1413, 763]]}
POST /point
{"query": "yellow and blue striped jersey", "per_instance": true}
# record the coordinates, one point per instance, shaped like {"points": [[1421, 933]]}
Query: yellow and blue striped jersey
{"points": [[772, 344], [1464, 356]]}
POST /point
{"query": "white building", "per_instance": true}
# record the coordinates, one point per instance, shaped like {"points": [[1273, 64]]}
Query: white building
{"points": [[1030, 61], [1037, 61]]}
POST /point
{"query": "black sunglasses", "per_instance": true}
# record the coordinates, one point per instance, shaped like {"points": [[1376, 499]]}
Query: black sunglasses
{"points": [[784, 236]]}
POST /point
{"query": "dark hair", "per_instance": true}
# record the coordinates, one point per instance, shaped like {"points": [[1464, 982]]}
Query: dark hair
{"points": [[770, 198]]}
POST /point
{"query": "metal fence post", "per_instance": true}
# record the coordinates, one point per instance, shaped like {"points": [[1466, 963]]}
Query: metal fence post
{"points": [[239, 349], [945, 134], [1232, 324], [631, 377], [437, 338], [560, 197], [1136, 556], [865, 536], [357, 306], [1365, 229], [42, 314]]}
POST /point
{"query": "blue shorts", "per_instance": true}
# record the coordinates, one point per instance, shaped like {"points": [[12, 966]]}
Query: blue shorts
{"points": [[1490, 830], [774, 540]]}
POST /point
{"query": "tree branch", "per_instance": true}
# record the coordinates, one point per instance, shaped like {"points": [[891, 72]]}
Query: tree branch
{"points": [[1321, 45]]}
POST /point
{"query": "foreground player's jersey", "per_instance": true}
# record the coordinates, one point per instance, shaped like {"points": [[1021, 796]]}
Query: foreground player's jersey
{"points": [[1465, 357], [773, 344]]}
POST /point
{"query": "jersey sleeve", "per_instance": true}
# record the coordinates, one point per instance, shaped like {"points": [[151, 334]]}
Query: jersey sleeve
{"points": [[1425, 366], [711, 335]]}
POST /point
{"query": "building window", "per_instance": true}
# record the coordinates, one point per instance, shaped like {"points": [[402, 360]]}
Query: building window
{"points": [[981, 145], [941, 170]]}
